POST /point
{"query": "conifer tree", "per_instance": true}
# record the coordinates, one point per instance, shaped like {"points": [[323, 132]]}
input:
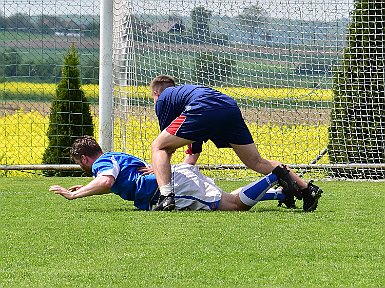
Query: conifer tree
{"points": [[70, 115]]}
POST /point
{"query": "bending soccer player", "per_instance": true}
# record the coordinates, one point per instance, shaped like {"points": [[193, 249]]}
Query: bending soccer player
{"points": [[190, 115], [132, 179]]}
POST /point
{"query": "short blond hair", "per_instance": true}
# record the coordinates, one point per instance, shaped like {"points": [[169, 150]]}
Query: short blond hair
{"points": [[161, 82]]}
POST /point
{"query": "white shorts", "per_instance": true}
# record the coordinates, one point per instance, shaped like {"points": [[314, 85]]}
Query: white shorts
{"points": [[193, 190]]}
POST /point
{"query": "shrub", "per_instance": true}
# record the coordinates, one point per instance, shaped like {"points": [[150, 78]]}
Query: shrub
{"points": [[70, 115]]}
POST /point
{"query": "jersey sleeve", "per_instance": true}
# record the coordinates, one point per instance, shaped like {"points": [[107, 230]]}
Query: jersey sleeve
{"points": [[106, 166]]}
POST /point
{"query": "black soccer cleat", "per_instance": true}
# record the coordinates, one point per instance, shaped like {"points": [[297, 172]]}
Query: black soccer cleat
{"points": [[165, 203], [310, 197], [290, 187], [289, 201]]}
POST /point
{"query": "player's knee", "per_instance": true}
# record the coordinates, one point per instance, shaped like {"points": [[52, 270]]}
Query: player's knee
{"points": [[154, 147], [157, 146]]}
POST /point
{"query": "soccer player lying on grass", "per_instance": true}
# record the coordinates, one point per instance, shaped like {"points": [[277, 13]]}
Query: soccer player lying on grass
{"points": [[132, 179]]}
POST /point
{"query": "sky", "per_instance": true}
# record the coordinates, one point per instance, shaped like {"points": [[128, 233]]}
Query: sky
{"points": [[325, 10]]}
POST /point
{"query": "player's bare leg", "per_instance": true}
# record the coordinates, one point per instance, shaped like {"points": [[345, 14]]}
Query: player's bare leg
{"points": [[162, 149], [231, 202], [246, 197], [250, 156]]}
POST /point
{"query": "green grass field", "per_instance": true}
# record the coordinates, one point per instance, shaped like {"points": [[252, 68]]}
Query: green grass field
{"points": [[102, 241]]}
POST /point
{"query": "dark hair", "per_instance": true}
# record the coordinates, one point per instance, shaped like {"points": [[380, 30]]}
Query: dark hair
{"points": [[161, 82], [85, 145]]}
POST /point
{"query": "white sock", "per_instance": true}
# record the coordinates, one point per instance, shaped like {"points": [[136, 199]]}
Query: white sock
{"points": [[165, 190]]}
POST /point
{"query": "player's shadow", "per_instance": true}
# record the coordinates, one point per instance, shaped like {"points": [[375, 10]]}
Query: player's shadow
{"points": [[133, 209], [275, 209], [109, 209]]}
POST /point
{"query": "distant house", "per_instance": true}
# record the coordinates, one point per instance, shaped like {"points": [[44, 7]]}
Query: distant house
{"points": [[167, 27], [72, 29]]}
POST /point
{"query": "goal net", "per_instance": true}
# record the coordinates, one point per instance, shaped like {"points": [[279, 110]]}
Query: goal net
{"points": [[278, 59]]}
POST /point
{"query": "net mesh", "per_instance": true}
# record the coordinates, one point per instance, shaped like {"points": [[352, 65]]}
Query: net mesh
{"points": [[308, 75], [35, 35], [278, 59]]}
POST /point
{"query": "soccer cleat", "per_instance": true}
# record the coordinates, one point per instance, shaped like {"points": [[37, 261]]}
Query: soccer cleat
{"points": [[310, 197], [165, 203], [289, 201], [290, 187]]}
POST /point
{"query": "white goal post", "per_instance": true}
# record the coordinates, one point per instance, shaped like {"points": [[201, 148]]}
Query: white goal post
{"points": [[279, 60]]}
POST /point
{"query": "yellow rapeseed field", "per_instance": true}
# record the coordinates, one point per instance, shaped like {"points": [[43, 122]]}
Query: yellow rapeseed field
{"points": [[23, 140], [299, 94], [45, 89], [23, 135], [92, 91]]}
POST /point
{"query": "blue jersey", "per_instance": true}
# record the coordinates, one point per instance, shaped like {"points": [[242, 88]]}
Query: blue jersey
{"points": [[199, 114], [129, 183], [173, 101]]}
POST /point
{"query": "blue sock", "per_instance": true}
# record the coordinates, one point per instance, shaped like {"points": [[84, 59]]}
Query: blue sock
{"points": [[255, 191]]}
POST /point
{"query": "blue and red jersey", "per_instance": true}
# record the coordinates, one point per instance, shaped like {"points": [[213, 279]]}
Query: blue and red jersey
{"points": [[200, 113], [173, 101]]}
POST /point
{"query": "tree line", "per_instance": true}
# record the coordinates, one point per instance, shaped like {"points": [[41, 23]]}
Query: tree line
{"points": [[14, 65], [50, 24], [252, 19]]}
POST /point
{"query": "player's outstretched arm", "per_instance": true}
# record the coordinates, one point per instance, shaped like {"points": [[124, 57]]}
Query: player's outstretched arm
{"points": [[75, 187], [100, 185]]}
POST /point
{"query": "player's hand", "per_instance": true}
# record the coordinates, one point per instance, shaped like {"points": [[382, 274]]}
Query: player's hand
{"points": [[146, 170], [61, 191], [74, 188]]}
